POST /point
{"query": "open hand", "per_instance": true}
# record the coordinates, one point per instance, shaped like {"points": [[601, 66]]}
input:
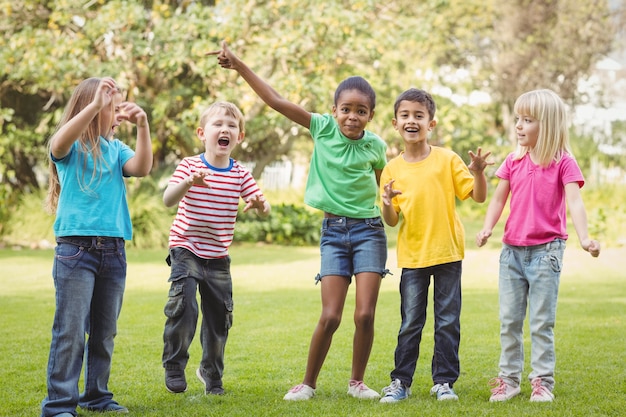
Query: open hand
{"points": [[199, 178], [479, 161], [389, 193], [256, 202]]}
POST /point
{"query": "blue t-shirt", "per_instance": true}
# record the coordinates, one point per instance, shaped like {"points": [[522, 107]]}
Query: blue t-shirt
{"points": [[93, 203], [341, 177]]}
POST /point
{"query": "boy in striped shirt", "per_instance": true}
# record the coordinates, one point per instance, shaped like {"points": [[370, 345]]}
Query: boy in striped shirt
{"points": [[207, 189]]}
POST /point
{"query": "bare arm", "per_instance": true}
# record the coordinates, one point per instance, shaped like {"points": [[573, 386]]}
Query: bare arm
{"points": [[477, 168], [140, 164], [494, 211], [63, 139], [175, 192], [579, 218], [227, 59], [390, 215]]}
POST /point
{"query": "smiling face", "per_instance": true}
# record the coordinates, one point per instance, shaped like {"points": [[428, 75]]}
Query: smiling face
{"points": [[413, 121], [352, 111], [527, 129], [220, 133]]}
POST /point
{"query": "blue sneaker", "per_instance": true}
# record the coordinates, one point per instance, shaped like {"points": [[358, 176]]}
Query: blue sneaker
{"points": [[396, 391], [444, 392]]}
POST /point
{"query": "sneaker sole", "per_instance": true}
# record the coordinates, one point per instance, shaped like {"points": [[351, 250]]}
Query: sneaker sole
{"points": [[391, 400], [174, 391]]}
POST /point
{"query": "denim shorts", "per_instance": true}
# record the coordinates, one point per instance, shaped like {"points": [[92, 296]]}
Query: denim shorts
{"points": [[350, 246]]}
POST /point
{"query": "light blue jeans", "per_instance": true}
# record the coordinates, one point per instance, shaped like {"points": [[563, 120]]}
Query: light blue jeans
{"points": [[529, 277], [89, 277]]}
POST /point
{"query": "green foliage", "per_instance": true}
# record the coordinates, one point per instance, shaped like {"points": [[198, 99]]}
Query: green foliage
{"points": [[150, 218], [28, 224], [287, 224]]}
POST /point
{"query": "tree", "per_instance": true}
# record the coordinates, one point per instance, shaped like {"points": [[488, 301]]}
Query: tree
{"points": [[546, 44]]}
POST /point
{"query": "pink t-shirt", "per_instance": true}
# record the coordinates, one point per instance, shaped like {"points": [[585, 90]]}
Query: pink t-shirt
{"points": [[537, 207]]}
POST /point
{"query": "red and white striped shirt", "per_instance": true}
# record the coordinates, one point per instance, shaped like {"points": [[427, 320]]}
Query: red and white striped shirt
{"points": [[205, 219]]}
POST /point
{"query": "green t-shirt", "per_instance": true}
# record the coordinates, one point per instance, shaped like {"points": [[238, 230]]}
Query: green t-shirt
{"points": [[341, 177]]}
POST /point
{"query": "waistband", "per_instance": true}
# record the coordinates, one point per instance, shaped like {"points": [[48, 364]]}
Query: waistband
{"points": [[93, 242]]}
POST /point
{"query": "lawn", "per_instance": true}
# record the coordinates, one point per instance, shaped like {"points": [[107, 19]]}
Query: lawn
{"points": [[276, 308]]}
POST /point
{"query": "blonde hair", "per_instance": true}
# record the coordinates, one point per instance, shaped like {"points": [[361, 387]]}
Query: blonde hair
{"points": [[224, 107], [547, 107], [89, 141]]}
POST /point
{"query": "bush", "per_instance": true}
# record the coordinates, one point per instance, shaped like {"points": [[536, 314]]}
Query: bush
{"points": [[287, 224]]}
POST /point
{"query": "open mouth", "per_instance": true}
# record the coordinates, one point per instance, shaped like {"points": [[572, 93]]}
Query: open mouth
{"points": [[223, 142], [412, 129]]}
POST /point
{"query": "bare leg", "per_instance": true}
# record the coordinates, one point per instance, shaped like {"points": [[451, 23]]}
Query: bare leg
{"points": [[334, 291], [367, 288]]}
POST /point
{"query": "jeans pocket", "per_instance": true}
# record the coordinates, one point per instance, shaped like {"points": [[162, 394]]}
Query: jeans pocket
{"points": [[228, 306], [556, 263], [176, 301]]}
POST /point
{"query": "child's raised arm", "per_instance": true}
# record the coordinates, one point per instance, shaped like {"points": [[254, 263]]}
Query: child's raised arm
{"points": [[140, 164], [227, 59], [61, 142]]}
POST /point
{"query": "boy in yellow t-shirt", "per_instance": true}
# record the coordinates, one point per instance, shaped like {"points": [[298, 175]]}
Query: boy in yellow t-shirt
{"points": [[423, 183]]}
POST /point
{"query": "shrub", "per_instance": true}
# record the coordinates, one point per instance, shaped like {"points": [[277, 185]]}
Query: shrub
{"points": [[287, 224]]}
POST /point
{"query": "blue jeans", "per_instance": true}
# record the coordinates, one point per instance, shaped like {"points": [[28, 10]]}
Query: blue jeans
{"points": [[212, 279], [414, 285], [350, 246], [529, 276], [89, 277]]}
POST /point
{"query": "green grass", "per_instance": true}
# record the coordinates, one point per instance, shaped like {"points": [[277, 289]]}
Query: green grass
{"points": [[276, 308]]}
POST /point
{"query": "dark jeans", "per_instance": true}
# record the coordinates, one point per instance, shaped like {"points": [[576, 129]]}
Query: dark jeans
{"points": [[212, 279], [414, 285]]}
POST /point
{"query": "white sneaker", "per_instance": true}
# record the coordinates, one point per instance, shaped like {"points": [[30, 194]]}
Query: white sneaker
{"points": [[444, 392], [361, 391], [541, 393], [502, 391], [299, 393]]}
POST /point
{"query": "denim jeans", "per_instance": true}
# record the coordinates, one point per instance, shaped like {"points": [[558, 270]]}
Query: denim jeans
{"points": [[212, 279], [350, 246], [89, 277], [529, 276], [414, 284]]}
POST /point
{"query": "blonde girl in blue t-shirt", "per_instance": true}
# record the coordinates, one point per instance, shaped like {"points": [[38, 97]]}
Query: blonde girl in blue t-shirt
{"points": [[88, 195], [343, 180]]}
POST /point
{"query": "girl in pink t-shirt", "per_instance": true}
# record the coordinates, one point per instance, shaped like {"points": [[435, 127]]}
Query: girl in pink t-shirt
{"points": [[541, 175]]}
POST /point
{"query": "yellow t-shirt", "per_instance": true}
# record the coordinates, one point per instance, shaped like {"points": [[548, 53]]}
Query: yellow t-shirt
{"points": [[431, 232]]}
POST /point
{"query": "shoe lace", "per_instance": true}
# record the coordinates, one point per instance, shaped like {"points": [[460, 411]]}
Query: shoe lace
{"points": [[538, 389], [358, 385], [499, 386], [394, 388], [444, 389], [297, 388]]}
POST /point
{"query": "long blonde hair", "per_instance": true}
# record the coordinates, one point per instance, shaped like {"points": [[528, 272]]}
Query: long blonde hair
{"points": [[547, 107], [89, 141]]}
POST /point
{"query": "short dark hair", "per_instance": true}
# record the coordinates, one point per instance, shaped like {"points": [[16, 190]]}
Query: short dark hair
{"points": [[418, 96], [359, 84]]}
